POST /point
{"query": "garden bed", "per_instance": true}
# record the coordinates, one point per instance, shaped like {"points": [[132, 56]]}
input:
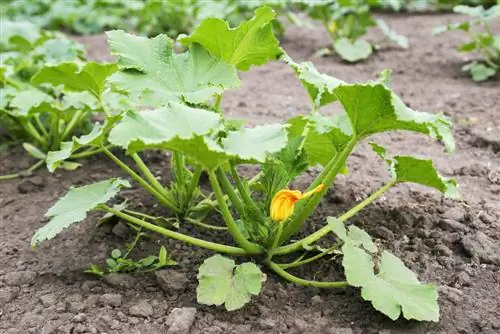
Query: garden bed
{"points": [[455, 244]]}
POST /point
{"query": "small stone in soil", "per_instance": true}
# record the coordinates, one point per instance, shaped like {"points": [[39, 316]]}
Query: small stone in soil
{"points": [[33, 184], [453, 294], [111, 299], [142, 309], [180, 320], [121, 230], [17, 278], [120, 280], [6, 295], [48, 300], [170, 280], [482, 247]]}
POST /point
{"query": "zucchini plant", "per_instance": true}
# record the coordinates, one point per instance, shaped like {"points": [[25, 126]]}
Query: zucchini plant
{"points": [[260, 212]]}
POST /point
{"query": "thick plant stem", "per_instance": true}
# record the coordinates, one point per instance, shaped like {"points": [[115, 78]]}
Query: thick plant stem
{"points": [[33, 132], [326, 177], [195, 179], [238, 237], [87, 153], [239, 185], [165, 201], [310, 239], [228, 189], [300, 281], [208, 226], [179, 167], [175, 235], [16, 175], [276, 240], [148, 174]]}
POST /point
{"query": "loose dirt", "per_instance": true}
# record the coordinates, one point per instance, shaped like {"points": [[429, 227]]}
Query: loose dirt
{"points": [[455, 244]]}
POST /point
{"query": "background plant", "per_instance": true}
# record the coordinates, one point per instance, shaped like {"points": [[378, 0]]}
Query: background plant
{"points": [[184, 119], [347, 21], [482, 40], [34, 112]]}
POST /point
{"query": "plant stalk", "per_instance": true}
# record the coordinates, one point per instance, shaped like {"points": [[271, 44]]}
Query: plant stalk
{"points": [[300, 281]]}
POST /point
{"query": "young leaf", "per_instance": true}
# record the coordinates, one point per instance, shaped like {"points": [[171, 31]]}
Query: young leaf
{"points": [[251, 43], [73, 207], [394, 290], [221, 281], [34, 151], [140, 130], [91, 77], [256, 143], [410, 169], [55, 158], [28, 101], [479, 72], [116, 253], [152, 73], [352, 51]]}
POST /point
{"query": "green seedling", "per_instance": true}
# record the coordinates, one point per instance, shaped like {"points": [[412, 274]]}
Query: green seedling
{"points": [[482, 40]]}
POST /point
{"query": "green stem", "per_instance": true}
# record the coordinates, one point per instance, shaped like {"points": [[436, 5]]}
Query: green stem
{"points": [[165, 201], [239, 185], [300, 281], [30, 128], [16, 175], [218, 101], [75, 119], [238, 237], [178, 236], [179, 170], [310, 239], [201, 224], [54, 131], [326, 177], [228, 189], [308, 260], [148, 174], [87, 153], [16, 83], [133, 244], [195, 179], [40, 125], [276, 240]]}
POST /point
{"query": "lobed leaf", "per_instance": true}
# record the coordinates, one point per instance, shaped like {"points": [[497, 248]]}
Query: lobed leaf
{"points": [[152, 73], [352, 234], [410, 169], [141, 130], [73, 207], [221, 281], [394, 289], [251, 43], [91, 77], [30, 101]]}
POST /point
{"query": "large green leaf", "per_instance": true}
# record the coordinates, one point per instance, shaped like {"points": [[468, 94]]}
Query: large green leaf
{"points": [[154, 74], [410, 169], [394, 289], [352, 235], [73, 207], [256, 143], [17, 34], [30, 100], [221, 281], [140, 130], [251, 43], [374, 108], [91, 77]]}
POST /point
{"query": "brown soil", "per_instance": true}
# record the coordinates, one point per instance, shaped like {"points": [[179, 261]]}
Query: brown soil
{"points": [[455, 244]]}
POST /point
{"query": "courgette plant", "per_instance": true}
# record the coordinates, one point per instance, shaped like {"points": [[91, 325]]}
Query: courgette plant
{"points": [[39, 114], [262, 215], [346, 22], [482, 40]]}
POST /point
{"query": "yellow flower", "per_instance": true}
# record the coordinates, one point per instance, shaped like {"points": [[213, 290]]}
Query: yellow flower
{"points": [[284, 201]]}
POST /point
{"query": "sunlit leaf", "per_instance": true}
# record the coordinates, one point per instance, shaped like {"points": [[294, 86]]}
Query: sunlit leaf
{"points": [[153, 74], [221, 281], [251, 43], [352, 51], [73, 207]]}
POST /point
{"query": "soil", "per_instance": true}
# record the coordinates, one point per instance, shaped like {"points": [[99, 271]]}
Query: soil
{"points": [[455, 244]]}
